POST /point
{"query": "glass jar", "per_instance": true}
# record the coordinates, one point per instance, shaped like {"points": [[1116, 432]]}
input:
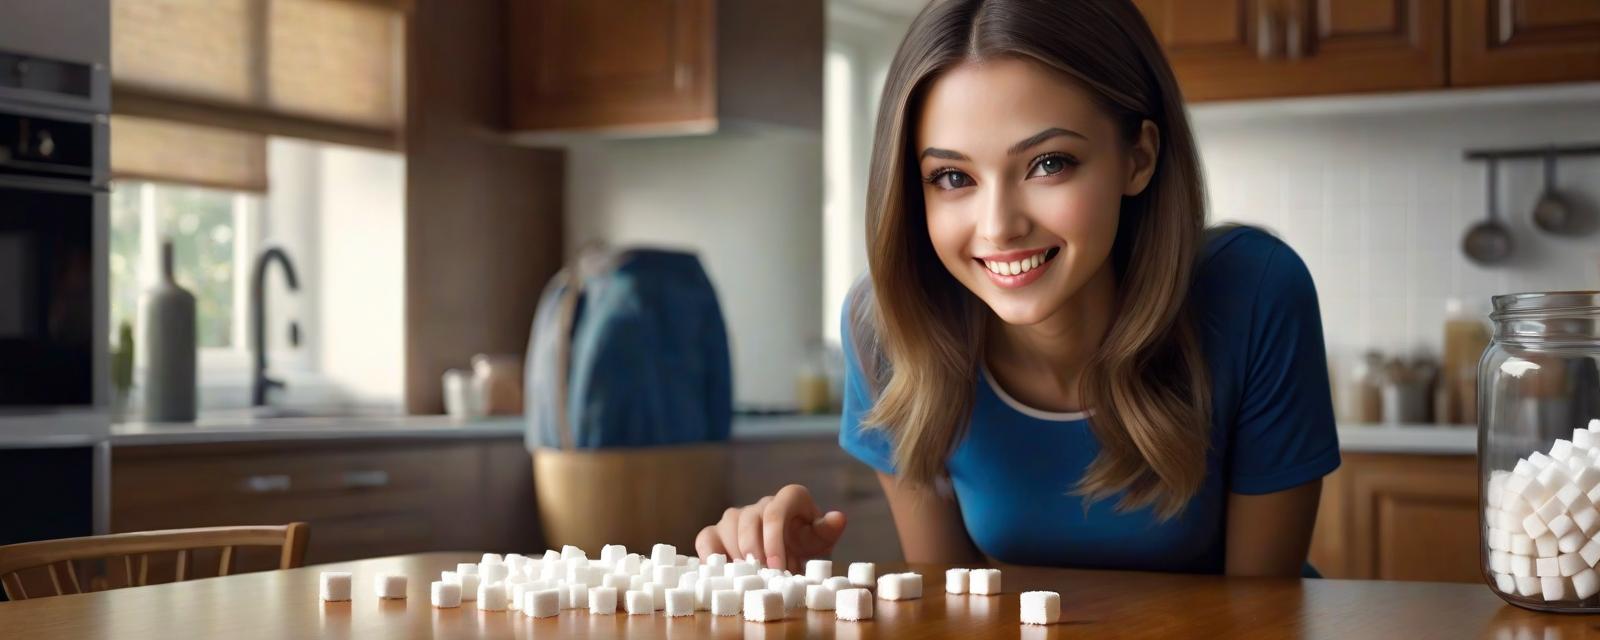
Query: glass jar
{"points": [[1539, 451]]}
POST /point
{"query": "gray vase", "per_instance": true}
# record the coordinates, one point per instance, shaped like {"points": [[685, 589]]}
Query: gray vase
{"points": [[168, 315]]}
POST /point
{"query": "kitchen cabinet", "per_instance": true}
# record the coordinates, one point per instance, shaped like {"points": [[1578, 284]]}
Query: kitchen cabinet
{"points": [[1495, 42], [836, 481], [662, 67], [362, 497], [1399, 517], [1234, 49]]}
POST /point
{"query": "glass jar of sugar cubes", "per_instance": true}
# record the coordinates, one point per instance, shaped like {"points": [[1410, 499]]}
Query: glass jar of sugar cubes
{"points": [[1539, 451]]}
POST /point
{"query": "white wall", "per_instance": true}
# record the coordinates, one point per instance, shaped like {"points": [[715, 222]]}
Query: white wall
{"points": [[1377, 204], [749, 203]]}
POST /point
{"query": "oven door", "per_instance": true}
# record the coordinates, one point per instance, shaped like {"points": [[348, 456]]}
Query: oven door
{"points": [[47, 293]]}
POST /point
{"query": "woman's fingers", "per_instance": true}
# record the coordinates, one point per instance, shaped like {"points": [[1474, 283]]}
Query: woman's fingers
{"points": [[750, 540], [791, 510]]}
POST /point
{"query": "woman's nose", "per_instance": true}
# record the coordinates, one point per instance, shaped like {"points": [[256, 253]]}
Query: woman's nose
{"points": [[1000, 221]]}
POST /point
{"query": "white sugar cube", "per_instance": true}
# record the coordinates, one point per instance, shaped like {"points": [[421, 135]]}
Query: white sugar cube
{"points": [[1553, 589], [1522, 566], [900, 586], [639, 603], [515, 593], [1547, 546], [1534, 526], [492, 597], [1554, 477], [1515, 506], [569, 552], [986, 582], [862, 574], [715, 561], [627, 566], [725, 602], [614, 581], [1561, 450], [819, 597], [550, 555], [1569, 493], [1587, 519], [469, 585], [1539, 460], [467, 567], [1527, 586], [611, 553], [955, 581], [1561, 525], [1521, 544], [445, 595], [1591, 552], [492, 558], [768, 573], [746, 584], [602, 601], [1578, 462], [1570, 564], [1583, 438], [1496, 487], [663, 555], [543, 603], [793, 590], [586, 576], [1499, 562], [738, 570], [1585, 583], [1547, 568], [665, 575], [577, 597], [334, 586], [1499, 540], [819, 570], [637, 583], [1505, 582], [853, 604], [390, 586], [658, 594], [837, 583], [1572, 542], [688, 580], [680, 602], [1594, 494], [763, 605], [1594, 424], [492, 571], [705, 587], [1041, 607], [1525, 469]]}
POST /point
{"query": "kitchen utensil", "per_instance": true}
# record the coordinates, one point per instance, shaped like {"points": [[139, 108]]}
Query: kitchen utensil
{"points": [[1552, 213], [1489, 242]]}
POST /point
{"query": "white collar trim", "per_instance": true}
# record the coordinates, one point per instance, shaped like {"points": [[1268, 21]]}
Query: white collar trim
{"points": [[1040, 414]]}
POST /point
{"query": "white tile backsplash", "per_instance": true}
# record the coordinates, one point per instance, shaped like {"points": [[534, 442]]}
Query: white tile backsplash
{"points": [[1376, 204]]}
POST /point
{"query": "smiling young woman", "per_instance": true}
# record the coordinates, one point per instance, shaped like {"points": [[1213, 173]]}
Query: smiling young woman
{"points": [[1053, 361]]}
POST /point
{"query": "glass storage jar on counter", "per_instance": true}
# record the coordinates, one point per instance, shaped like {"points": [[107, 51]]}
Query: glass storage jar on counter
{"points": [[1539, 451]]}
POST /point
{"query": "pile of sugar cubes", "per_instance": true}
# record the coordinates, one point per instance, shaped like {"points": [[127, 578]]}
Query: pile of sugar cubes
{"points": [[1543, 521], [676, 585]]}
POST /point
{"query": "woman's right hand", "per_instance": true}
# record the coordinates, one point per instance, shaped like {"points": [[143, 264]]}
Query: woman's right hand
{"points": [[783, 530]]}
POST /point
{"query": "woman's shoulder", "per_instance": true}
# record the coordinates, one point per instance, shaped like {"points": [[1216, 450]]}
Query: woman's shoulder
{"points": [[1246, 264]]}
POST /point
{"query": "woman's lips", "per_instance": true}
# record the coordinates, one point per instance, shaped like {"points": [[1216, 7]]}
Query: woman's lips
{"points": [[1015, 269]]}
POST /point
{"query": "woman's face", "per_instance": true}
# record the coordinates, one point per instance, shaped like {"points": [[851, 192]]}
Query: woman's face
{"points": [[1023, 177]]}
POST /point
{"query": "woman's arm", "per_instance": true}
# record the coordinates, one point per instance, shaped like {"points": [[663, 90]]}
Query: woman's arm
{"points": [[930, 525], [1269, 534]]}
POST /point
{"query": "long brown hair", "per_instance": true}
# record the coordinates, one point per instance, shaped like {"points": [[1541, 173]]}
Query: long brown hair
{"points": [[924, 331]]}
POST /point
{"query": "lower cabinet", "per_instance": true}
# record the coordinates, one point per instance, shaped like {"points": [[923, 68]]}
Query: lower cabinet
{"points": [[362, 498], [1399, 517]]}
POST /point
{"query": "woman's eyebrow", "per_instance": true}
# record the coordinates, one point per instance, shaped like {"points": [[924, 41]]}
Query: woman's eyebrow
{"points": [[1015, 149]]}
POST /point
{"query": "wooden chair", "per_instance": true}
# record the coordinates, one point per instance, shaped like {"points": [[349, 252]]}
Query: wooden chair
{"points": [[49, 554]]}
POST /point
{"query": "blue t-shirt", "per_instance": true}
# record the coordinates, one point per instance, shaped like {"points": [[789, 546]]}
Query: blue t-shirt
{"points": [[1272, 429]]}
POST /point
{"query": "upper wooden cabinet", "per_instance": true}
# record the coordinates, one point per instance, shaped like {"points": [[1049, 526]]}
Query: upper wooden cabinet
{"points": [[663, 67], [1519, 41], [1234, 49]]}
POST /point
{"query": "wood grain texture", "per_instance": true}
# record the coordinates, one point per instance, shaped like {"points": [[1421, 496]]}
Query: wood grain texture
{"points": [[1095, 604]]}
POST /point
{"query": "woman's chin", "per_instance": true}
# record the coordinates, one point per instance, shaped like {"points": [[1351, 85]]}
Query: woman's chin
{"points": [[1020, 312]]}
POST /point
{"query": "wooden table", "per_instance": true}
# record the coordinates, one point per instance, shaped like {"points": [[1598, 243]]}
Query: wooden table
{"points": [[1095, 604]]}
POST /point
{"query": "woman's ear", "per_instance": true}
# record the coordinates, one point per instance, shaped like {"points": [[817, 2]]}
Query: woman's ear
{"points": [[1142, 158]]}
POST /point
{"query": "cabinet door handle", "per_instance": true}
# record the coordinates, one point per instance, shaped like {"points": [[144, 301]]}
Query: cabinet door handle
{"points": [[366, 479], [1268, 31], [275, 483]]}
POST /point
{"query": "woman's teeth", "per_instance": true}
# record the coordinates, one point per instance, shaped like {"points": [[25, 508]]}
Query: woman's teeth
{"points": [[1015, 266]]}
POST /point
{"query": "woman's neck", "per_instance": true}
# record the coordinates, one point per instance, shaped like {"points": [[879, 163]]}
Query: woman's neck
{"points": [[1040, 364]]}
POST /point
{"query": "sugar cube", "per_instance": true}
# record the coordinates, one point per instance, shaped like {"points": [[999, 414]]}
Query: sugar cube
{"points": [[837, 583], [665, 575], [1041, 607], [955, 581], [1585, 583], [763, 605], [611, 553], [663, 555], [467, 567], [1587, 519], [819, 597], [705, 587], [715, 561], [602, 601], [445, 595], [1569, 493], [1539, 460], [853, 604], [1572, 542], [515, 593], [1522, 566], [745, 584], [862, 574], [550, 555], [1515, 507], [492, 597], [1570, 564], [639, 603], [614, 581], [1591, 552], [1499, 562], [390, 586], [768, 573], [1499, 540], [492, 571], [1527, 586], [334, 586], [543, 603], [637, 583], [658, 594], [1521, 544], [1547, 568], [469, 585], [1507, 583], [577, 596], [1594, 494], [986, 582], [793, 591], [819, 570], [1561, 525], [738, 570], [569, 552], [1534, 526], [491, 558], [725, 602], [1496, 487], [1576, 463], [627, 566], [688, 579], [680, 602], [1553, 588], [900, 586], [1561, 450], [1547, 546]]}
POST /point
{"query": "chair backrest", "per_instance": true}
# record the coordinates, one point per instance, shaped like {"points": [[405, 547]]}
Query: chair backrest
{"points": [[49, 554]]}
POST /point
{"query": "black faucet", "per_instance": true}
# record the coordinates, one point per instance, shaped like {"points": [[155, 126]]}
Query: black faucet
{"points": [[259, 382]]}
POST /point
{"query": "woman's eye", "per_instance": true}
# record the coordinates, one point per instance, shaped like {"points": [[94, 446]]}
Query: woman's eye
{"points": [[952, 180], [1050, 166]]}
